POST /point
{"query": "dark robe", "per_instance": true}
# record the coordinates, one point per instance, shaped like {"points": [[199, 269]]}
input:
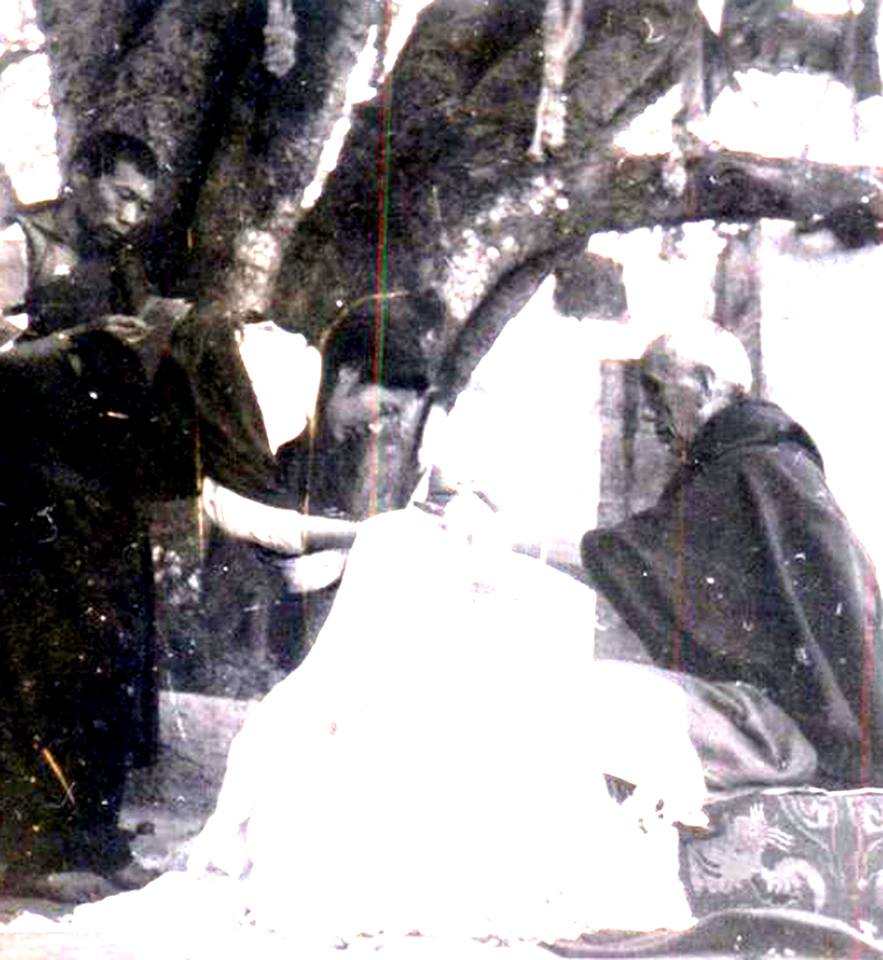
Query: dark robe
{"points": [[70, 278], [225, 419], [84, 449], [746, 570], [78, 692], [252, 618]]}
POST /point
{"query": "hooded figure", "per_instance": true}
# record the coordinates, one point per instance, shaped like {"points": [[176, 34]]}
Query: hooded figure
{"points": [[746, 569]]}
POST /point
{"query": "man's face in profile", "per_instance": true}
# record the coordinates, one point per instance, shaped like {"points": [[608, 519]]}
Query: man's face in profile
{"points": [[356, 406], [654, 398], [112, 205], [674, 396]]}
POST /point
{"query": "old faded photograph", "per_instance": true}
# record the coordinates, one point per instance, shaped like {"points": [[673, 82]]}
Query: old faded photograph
{"points": [[439, 510]]}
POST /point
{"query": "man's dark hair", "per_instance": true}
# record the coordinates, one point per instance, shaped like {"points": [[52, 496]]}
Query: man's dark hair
{"points": [[100, 152], [380, 337]]}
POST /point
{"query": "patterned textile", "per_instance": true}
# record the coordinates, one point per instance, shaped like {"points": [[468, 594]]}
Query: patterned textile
{"points": [[802, 849]]}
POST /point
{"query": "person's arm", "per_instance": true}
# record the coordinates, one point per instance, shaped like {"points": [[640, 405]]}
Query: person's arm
{"points": [[560, 552], [46, 359], [328, 533], [130, 330], [277, 528], [43, 376], [55, 352]]}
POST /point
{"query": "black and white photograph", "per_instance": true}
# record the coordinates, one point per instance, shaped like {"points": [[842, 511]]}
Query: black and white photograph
{"points": [[439, 515]]}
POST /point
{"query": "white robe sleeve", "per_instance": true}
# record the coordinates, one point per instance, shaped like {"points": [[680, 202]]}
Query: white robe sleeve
{"points": [[275, 527]]}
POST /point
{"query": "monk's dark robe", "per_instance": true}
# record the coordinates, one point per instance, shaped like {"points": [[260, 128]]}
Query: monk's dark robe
{"points": [[78, 691], [747, 570], [82, 451], [71, 279], [253, 619], [224, 418]]}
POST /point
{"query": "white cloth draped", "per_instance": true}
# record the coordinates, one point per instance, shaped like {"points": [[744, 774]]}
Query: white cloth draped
{"points": [[436, 764]]}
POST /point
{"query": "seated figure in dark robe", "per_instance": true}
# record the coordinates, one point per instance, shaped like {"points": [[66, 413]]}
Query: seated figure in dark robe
{"points": [[746, 571]]}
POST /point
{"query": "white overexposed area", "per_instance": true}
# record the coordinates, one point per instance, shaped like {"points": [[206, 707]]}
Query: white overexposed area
{"points": [[27, 148], [821, 344]]}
